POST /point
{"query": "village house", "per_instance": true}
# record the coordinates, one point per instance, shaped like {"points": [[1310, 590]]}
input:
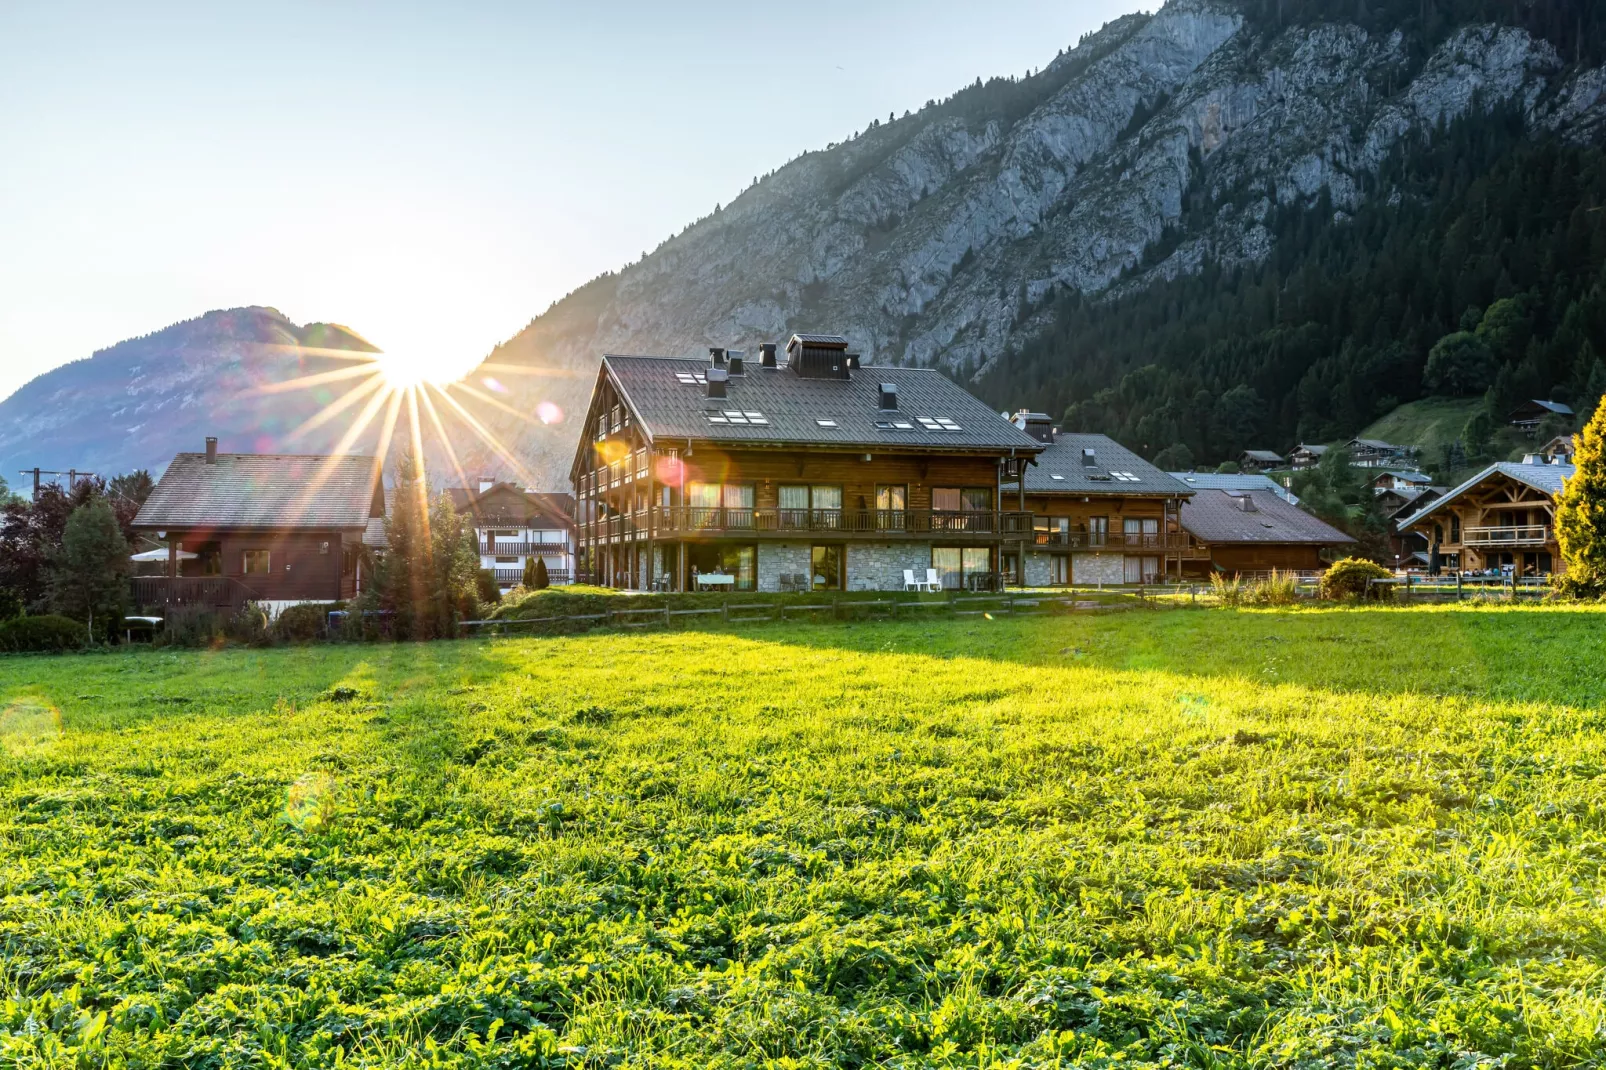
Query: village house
{"points": [[1100, 513], [1561, 448], [1234, 481], [795, 471], [1502, 519], [1527, 416], [1375, 453], [1397, 479], [276, 529], [1254, 531], [1259, 460], [513, 525], [1306, 455]]}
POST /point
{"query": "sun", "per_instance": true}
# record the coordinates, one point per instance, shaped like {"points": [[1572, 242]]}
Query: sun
{"points": [[402, 370]]}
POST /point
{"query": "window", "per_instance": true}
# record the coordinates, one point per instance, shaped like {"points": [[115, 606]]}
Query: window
{"points": [[1056, 476], [691, 378], [957, 565], [938, 423], [1140, 531], [1098, 530], [256, 563], [1052, 529], [804, 506], [507, 560], [825, 423], [1455, 527], [892, 496], [826, 567], [1125, 477], [894, 425], [1059, 569], [735, 416], [1140, 569]]}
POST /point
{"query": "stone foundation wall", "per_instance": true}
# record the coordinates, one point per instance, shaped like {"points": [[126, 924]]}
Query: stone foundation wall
{"points": [[1039, 570], [1098, 568], [778, 558], [879, 566]]}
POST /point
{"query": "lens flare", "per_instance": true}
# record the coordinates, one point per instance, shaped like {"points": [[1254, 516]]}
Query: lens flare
{"points": [[548, 413], [493, 384], [312, 801], [27, 724]]}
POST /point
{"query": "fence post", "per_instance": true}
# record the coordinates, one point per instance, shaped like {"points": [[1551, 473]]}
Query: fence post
{"points": [[725, 612], [836, 609], [1458, 585], [666, 614]]}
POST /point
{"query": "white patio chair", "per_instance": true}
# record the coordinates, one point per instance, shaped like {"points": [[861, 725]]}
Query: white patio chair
{"points": [[909, 581], [933, 583]]}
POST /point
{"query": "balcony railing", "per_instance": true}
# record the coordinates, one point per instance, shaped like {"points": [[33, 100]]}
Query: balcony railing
{"points": [[1133, 542], [1515, 535], [874, 522], [214, 592], [516, 575], [506, 547]]}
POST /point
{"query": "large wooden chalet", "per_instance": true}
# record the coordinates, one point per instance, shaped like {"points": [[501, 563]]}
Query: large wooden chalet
{"points": [[1253, 531], [1101, 513], [270, 528], [801, 469], [1502, 519]]}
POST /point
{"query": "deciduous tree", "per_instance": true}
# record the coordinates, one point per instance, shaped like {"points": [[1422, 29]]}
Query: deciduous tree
{"points": [[88, 578]]}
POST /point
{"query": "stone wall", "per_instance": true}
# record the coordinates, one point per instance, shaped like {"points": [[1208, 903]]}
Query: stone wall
{"points": [[1098, 568], [778, 558], [879, 566]]}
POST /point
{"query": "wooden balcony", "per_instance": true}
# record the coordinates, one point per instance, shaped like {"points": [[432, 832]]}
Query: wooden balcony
{"points": [[509, 548], [1170, 542], [859, 524], [223, 593], [1513, 535]]}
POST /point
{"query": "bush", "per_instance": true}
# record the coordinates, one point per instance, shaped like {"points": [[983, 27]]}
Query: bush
{"points": [[10, 604], [310, 620], [485, 587], [248, 624], [44, 633], [1348, 579], [1279, 589]]}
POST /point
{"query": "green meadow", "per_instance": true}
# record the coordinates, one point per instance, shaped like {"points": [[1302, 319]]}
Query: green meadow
{"points": [[1184, 837]]}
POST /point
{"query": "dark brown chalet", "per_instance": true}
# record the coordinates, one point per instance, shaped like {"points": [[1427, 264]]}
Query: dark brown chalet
{"points": [[794, 470], [271, 528]]}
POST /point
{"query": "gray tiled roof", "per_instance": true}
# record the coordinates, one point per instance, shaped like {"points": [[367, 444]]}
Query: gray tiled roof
{"points": [[821, 339], [262, 490], [1217, 516], [1545, 477], [1064, 459], [792, 408], [1240, 481], [1419, 478], [1263, 455]]}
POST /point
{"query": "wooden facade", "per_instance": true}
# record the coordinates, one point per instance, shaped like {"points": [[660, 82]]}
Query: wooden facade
{"points": [[1501, 520]]}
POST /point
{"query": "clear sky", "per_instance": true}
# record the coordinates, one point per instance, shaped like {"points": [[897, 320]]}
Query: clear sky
{"points": [[432, 176]]}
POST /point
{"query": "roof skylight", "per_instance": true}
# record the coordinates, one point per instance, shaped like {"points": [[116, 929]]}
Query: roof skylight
{"points": [[1125, 477], [938, 423], [736, 416], [691, 378], [825, 423], [1056, 475], [894, 425]]}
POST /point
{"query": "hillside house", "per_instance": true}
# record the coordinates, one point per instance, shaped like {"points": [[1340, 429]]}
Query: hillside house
{"points": [[1502, 519], [1306, 455], [513, 525], [1375, 453], [1100, 513], [797, 470], [1398, 479], [1253, 531], [1527, 416], [1259, 460], [1561, 448], [277, 529]]}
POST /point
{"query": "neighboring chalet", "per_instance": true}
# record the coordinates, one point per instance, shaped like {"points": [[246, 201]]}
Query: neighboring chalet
{"points": [[1101, 513], [1260, 460], [1306, 455], [1500, 519], [1527, 416], [1375, 453], [271, 528], [1561, 448], [1396, 479], [1224, 481], [1251, 531], [1390, 501], [809, 471], [1410, 548], [514, 525]]}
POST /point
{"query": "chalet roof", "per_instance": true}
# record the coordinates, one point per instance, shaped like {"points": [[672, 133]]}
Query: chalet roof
{"points": [[1262, 455], [1116, 470], [1313, 450], [1548, 478], [257, 491], [551, 505], [1374, 443], [1241, 481], [1559, 444], [793, 410], [1410, 477], [1218, 516], [1535, 407]]}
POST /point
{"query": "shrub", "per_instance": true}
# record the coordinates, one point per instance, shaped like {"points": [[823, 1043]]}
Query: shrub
{"points": [[1278, 589], [309, 620], [248, 624], [1348, 579], [538, 575], [1229, 590], [10, 604], [485, 587], [44, 633]]}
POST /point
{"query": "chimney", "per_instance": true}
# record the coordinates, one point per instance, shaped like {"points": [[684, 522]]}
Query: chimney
{"points": [[734, 360], [211, 449], [716, 357], [818, 356], [1246, 503], [1036, 424], [1532, 458], [889, 397], [1088, 460], [853, 362], [486, 483], [716, 382], [766, 355]]}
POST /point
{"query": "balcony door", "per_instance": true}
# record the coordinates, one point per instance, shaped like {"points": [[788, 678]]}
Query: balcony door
{"points": [[891, 505], [805, 507]]}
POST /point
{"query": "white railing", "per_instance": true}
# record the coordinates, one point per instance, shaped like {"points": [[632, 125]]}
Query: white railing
{"points": [[1511, 535]]}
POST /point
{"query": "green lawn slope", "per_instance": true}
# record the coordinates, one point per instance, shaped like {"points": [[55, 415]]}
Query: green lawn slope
{"points": [[1433, 423], [1160, 837]]}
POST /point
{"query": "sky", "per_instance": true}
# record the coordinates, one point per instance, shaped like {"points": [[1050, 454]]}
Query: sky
{"points": [[432, 176]]}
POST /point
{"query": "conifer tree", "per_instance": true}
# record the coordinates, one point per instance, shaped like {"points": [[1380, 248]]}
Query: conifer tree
{"points": [[1581, 513], [89, 573]]}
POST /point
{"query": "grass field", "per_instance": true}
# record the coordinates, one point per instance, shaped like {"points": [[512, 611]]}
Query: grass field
{"points": [[1366, 837], [1433, 423]]}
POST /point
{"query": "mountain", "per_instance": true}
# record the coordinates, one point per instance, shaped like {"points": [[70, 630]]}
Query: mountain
{"points": [[139, 402], [1191, 146]]}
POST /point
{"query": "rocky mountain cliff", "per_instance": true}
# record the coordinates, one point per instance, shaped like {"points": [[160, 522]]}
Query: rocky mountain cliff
{"points": [[137, 403], [942, 238]]}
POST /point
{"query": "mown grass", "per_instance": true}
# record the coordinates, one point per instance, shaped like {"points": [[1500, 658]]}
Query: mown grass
{"points": [[1368, 837]]}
